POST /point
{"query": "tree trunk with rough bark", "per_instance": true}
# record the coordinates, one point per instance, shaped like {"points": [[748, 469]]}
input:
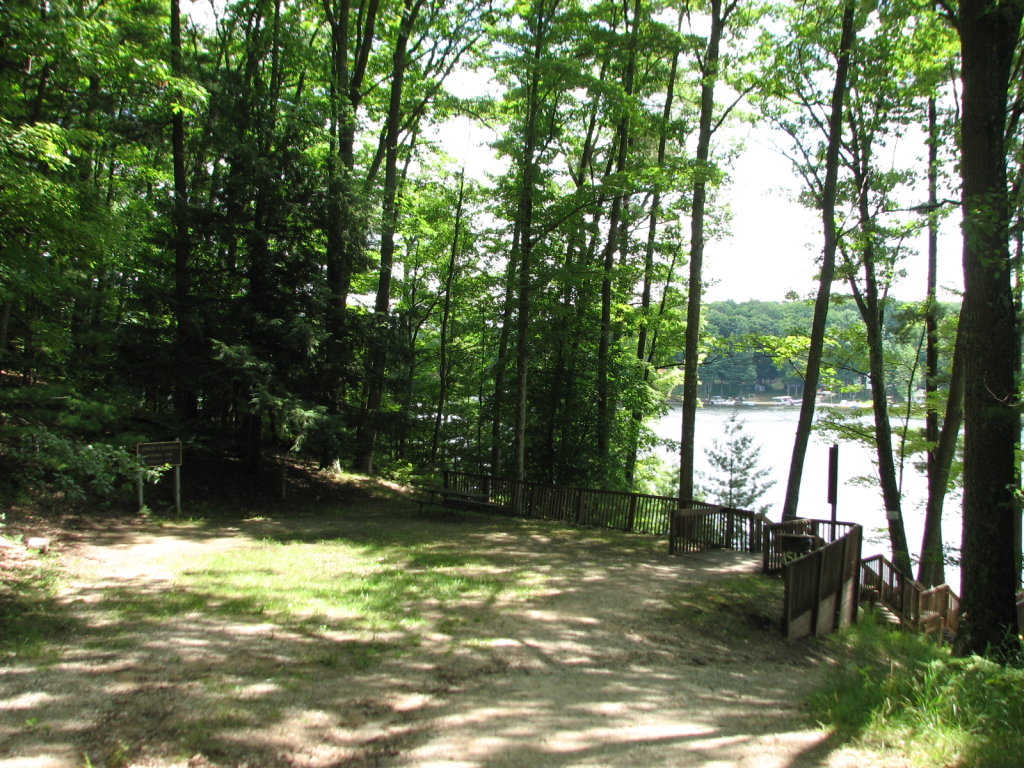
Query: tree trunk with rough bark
{"points": [[990, 564], [828, 265], [695, 287]]}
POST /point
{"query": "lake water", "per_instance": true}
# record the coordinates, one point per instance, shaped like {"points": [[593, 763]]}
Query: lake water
{"points": [[773, 429]]}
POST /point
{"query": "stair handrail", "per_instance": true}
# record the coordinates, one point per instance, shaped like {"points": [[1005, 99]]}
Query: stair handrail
{"points": [[936, 608]]}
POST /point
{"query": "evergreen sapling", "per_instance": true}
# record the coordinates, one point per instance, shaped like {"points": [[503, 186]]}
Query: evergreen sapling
{"points": [[736, 480]]}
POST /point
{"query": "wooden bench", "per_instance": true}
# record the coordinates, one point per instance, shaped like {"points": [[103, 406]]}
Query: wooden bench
{"points": [[455, 499]]}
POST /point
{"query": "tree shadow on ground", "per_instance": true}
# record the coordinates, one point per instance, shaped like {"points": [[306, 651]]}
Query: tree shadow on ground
{"points": [[516, 643]]}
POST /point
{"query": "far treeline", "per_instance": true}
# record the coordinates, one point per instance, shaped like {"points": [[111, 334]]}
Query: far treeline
{"points": [[757, 349], [244, 231]]}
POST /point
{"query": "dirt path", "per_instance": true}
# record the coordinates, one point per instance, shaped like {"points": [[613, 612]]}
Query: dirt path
{"points": [[596, 668]]}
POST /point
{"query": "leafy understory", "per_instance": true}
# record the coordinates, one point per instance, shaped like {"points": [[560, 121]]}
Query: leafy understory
{"points": [[899, 691]]}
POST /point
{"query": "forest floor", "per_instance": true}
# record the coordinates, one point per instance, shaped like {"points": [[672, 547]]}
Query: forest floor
{"points": [[516, 643]]}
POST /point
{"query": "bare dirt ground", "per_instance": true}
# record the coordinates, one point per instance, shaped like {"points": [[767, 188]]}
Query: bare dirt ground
{"points": [[606, 663]]}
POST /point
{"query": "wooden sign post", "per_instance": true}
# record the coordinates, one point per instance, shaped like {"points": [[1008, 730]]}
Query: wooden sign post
{"points": [[833, 478], [159, 455]]}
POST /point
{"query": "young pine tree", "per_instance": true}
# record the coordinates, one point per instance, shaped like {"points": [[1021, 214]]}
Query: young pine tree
{"points": [[736, 481]]}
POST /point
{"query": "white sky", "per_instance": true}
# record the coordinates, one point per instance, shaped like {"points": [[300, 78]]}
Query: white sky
{"points": [[773, 240]]}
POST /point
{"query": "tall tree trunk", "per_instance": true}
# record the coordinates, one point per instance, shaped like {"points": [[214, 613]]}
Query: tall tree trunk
{"points": [[559, 454], [990, 565], [523, 324], [185, 320], [524, 222], [931, 569], [501, 362], [605, 398], [263, 94], [828, 264], [709, 77], [350, 51], [449, 280], [367, 435], [642, 351], [870, 301], [872, 313]]}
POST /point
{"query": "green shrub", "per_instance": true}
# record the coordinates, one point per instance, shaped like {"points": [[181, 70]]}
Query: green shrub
{"points": [[70, 466], [899, 689], [53, 439]]}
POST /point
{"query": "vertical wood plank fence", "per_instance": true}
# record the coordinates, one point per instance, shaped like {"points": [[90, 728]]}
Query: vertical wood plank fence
{"points": [[714, 527], [822, 588], [791, 538]]}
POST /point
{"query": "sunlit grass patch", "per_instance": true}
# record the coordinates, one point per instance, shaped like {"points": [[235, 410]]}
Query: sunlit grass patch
{"points": [[730, 607], [352, 583], [30, 616], [899, 690]]}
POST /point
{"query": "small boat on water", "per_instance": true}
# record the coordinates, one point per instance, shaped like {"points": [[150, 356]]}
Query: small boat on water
{"points": [[729, 401]]}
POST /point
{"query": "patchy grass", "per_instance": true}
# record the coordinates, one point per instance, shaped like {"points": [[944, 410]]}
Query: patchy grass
{"points": [[896, 688], [329, 577], [352, 631], [30, 617], [269, 628], [730, 608], [372, 588]]}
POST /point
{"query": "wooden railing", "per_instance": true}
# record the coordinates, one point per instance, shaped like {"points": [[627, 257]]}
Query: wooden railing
{"points": [[714, 527], [698, 527], [942, 603], [821, 587], [792, 538], [631, 512], [883, 583], [929, 610]]}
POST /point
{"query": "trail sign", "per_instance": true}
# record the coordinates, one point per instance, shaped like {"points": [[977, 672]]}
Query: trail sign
{"points": [[158, 454]]}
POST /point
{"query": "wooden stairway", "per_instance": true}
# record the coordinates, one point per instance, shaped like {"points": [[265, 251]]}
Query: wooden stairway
{"points": [[904, 601]]}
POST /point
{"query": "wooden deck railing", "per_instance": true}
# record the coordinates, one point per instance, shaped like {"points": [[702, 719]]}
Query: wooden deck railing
{"points": [[814, 555], [821, 587], [698, 527], [714, 527], [881, 582], [631, 512], [791, 538], [944, 604], [928, 610]]}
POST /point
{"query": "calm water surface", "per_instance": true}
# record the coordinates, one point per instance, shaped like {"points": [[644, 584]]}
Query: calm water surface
{"points": [[773, 429]]}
